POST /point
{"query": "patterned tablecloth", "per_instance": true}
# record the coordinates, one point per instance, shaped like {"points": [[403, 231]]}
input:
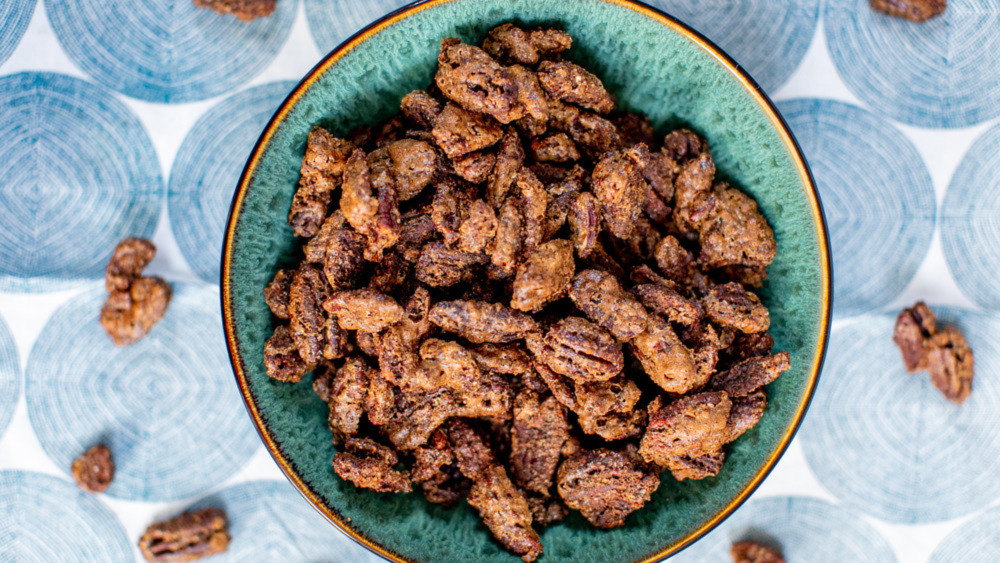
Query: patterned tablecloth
{"points": [[120, 118]]}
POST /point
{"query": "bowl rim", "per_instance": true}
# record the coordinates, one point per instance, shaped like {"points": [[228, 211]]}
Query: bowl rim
{"points": [[737, 71]]}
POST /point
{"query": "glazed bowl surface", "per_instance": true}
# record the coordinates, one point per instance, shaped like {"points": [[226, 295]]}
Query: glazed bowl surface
{"points": [[654, 65]]}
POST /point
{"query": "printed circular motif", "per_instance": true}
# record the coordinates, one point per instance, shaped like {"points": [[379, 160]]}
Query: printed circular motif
{"points": [[15, 15], [79, 173], [941, 73], [271, 521], [44, 519], [805, 529], [888, 443], [976, 540], [333, 21], [877, 195], [970, 232], [768, 38], [208, 167], [167, 51], [165, 406], [10, 377]]}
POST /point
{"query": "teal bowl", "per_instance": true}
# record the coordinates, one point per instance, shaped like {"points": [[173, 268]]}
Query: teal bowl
{"points": [[655, 65]]}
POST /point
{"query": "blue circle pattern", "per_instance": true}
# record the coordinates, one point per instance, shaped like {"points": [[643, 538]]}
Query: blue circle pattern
{"points": [[977, 540], [167, 51], [15, 15], [165, 406], [44, 519], [768, 38], [877, 195], [79, 173], [333, 21], [970, 231], [805, 529], [10, 377], [888, 443], [208, 167], [941, 73], [271, 521]]}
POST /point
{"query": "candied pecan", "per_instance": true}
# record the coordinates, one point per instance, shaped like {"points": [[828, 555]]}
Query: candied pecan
{"points": [[751, 374], [730, 305], [696, 468], [363, 309], [439, 266], [914, 328], [421, 108], [505, 512], [676, 262], [508, 243], [479, 321], [94, 469], [691, 426], [745, 413], [474, 167], [281, 357], [315, 247], [511, 43], [128, 316], [380, 399], [605, 486], [572, 83], [344, 259], [418, 227], [614, 425], [127, 262], [390, 273], [323, 380], [557, 147], [578, 349], [751, 276], [734, 232], [356, 200], [448, 209], [534, 206], [666, 360], [917, 11], [537, 437], [635, 128], [950, 363], [385, 228], [244, 10], [468, 76], [478, 229], [508, 359], [753, 552], [397, 355], [460, 132], [746, 346], [664, 300], [435, 470], [656, 209], [618, 184], [413, 165], [276, 293], [599, 295], [544, 276], [594, 135], [510, 159], [307, 321], [682, 145], [584, 218], [531, 96], [369, 465], [322, 171], [347, 398], [188, 537]]}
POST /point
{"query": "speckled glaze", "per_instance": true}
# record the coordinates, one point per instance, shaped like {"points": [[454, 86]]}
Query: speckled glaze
{"points": [[654, 65]]}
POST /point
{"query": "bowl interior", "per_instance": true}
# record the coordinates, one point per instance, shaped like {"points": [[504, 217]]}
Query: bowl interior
{"points": [[653, 68]]}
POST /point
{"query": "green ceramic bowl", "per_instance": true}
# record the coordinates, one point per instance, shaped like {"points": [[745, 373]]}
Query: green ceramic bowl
{"points": [[655, 65]]}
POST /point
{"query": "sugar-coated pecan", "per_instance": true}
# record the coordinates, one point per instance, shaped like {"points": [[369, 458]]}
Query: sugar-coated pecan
{"points": [[544, 276], [480, 322], [439, 266], [307, 320], [753, 552], [363, 309], [578, 349], [950, 363], [572, 83], [621, 190], [730, 305], [128, 316], [601, 297], [917, 11], [369, 465], [94, 469], [605, 485], [752, 374], [347, 398], [692, 426], [281, 357], [187, 537], [127, 262], [470, 77], [276, 293], [666, 360], [914, 328], [537, 438]]}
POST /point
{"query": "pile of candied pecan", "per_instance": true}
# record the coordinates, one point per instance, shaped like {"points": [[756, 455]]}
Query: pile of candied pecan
{"points": [[513, 294]]}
